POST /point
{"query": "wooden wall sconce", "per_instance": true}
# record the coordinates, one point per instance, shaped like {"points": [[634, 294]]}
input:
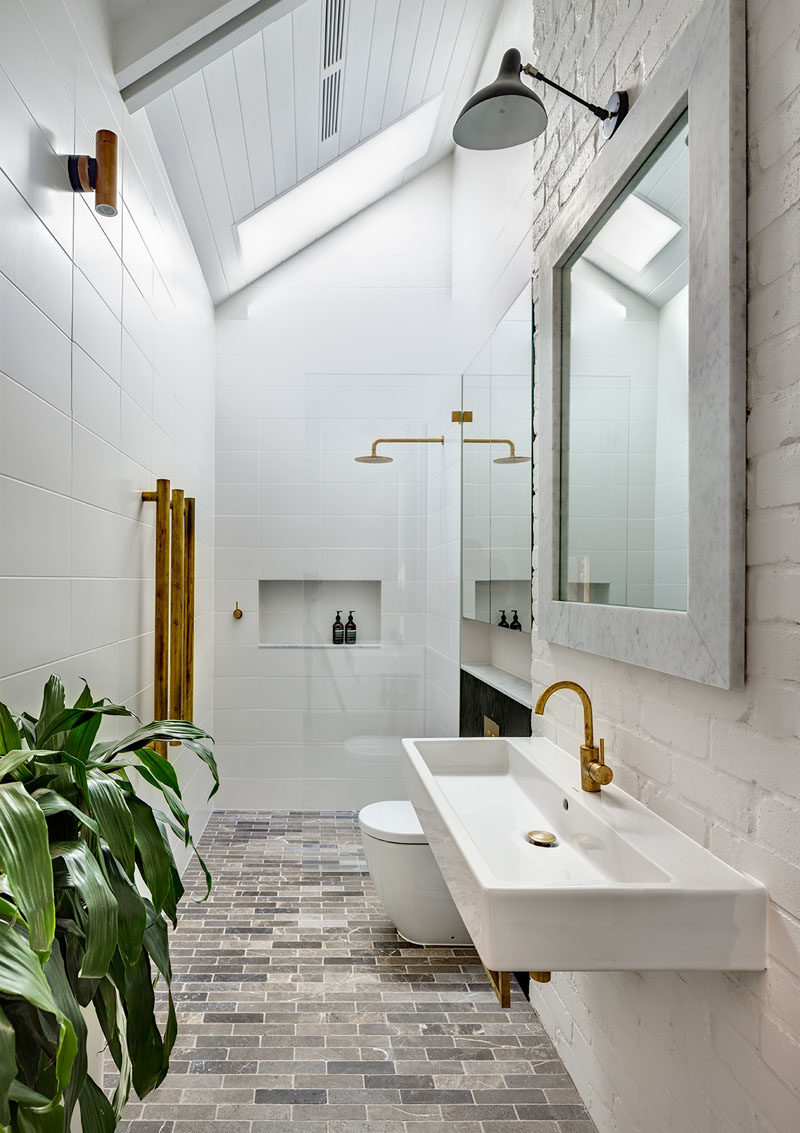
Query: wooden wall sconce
{"points": [[97, 173], [173, 670]]}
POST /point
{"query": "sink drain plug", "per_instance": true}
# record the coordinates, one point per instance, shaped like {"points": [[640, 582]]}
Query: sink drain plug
{"points": [[542, 838]]}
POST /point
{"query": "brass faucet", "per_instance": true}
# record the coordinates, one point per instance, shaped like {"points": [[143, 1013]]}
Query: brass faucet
{"points": [[594, 772]]}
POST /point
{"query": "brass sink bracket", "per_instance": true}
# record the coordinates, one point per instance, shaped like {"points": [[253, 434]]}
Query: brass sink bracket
{"points": [[594, 771]]}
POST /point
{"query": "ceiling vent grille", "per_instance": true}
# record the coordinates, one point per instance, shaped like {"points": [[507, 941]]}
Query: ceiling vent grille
{"points": [[332, 52], [334, 32], [330, 104]]}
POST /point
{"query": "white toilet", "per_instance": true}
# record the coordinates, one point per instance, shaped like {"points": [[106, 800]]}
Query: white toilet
{"points": [[406, 876]]}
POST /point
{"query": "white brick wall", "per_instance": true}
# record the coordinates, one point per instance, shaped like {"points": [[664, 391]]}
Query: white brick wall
{"points": [[702, 1052], [106, 377]]}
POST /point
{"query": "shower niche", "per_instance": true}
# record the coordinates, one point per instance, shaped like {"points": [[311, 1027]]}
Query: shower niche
{"points": [[299, 613]]}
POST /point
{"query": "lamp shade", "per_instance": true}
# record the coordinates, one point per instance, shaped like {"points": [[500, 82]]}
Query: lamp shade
{"points": [[505, 113]]}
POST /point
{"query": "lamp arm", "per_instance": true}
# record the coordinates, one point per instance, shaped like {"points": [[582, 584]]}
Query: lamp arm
{"points": [[601, 113]]}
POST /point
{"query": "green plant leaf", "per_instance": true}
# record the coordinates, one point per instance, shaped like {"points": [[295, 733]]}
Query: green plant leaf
{"points": [[158, 766], [53, 803], [207, 756], [86, 721], [105, 1008], [21, 973], [109, 807], [154, 853], [175, 804], [19, 1092], [40, 1121], [25, 859], [159, 730], [52, 705], [145, 1044], [21, 976], [10, 738], [8, 1065], [101, 908], [28, 725], [56, 975], [97, 1114], [132, 915], [14, 759]]}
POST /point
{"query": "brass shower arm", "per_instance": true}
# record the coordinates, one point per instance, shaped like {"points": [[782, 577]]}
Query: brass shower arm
{"points": [[491, 441], [405, 441]]}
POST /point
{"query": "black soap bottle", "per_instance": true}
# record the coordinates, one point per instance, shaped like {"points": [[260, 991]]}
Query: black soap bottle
{"points": [[503, 623], [350, 630], [515, 622], [338, 629]]}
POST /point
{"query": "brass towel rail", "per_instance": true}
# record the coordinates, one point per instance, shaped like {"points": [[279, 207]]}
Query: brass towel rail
{"points": [[173, 656]]}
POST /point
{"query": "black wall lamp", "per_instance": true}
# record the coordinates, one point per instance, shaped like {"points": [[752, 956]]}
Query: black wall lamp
{"points": [[507, 112]]}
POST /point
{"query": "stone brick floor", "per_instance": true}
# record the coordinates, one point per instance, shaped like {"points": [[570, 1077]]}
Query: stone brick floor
{"points": [[300, 1008]]}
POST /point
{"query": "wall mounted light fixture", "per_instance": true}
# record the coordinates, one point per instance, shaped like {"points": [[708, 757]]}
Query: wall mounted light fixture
{"points": [[508, 113], [98, 174]]}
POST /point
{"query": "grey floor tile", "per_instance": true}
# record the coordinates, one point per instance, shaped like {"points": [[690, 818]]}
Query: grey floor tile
{"points": [[302, 1011]]}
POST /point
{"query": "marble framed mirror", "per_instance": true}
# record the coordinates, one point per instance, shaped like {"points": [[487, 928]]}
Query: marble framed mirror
{"points": [[641, 352]]}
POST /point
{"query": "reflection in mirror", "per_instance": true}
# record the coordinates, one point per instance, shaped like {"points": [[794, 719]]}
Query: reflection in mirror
{"points": [[625, 351], [496, 491]]}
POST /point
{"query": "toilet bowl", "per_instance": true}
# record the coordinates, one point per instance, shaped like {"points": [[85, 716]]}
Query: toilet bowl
{"points": [[406, 876]]}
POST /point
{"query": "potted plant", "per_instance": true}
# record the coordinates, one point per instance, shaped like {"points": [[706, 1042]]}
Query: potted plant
{"points": [[88, 886]]}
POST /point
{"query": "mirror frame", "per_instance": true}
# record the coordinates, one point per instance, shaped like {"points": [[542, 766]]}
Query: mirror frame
{"points": [[705, 70]]}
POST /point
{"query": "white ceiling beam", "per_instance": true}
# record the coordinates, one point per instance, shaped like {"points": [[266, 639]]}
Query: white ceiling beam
{"points": [[166, 41]]}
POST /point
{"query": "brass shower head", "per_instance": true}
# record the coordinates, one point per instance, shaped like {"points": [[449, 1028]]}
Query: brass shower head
{"points": [[373, 457], [512, 457]]}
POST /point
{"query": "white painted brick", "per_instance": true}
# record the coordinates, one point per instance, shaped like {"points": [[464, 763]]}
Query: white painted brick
{"points": [[781, 1052], [667, 721], [755, 758], [721, 795], [745, 798], [784, 939], [776, 825], [643, 755], [774, 363], [767, 1093]]}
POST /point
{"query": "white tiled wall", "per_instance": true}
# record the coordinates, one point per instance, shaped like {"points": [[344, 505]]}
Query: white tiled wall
{"points": [[674, 1051], [444, 572], [106, 378], [346, 343]]}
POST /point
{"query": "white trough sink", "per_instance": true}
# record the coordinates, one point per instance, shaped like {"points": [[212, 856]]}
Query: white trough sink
{"points": [[621, 891]]}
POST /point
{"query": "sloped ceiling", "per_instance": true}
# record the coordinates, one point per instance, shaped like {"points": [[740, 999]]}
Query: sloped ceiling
{"points": [[297, 94]]}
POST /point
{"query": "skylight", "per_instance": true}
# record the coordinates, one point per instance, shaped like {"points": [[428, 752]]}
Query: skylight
{"points": [[337, 192], [635, 234]]}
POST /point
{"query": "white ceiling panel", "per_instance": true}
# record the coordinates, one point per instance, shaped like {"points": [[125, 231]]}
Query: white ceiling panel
{"points": [[420, 63], [251, 78], [279, 56], [304, 91], [380, 54], [360, 22], [307, 52], [405, 40], [222, 91]]}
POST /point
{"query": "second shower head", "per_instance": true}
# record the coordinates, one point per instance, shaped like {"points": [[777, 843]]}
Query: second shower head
{"points": [[374, 458], [512, 457]]}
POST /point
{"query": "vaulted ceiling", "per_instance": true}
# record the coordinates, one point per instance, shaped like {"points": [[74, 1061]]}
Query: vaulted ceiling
{"points": [[248, 100]]}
